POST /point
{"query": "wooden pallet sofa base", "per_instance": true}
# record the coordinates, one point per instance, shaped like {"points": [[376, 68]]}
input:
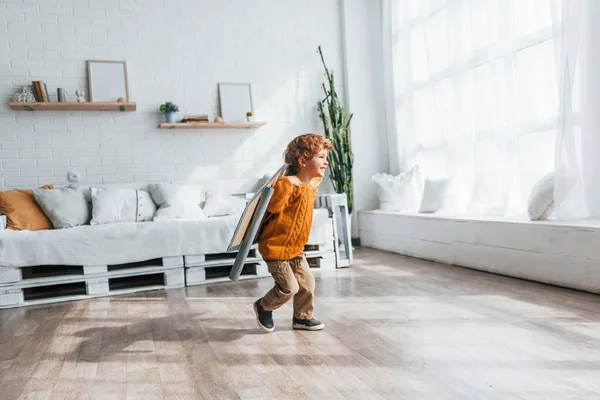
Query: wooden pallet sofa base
{"points": [[322, 261], [47, 273], [201, 269], [122, 280]]}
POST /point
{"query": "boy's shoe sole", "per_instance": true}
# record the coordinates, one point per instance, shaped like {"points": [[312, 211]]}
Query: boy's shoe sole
{"points": [[261, 326], [308, 328]]}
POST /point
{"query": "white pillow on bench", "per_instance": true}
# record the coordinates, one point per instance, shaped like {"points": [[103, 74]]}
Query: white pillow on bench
{"points": [[121, 205], [177, 201], [400, 192], [223, 204], [541, 204], [434, 195], [65, 207]]}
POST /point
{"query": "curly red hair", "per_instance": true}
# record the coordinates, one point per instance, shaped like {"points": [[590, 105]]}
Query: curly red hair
{"points": [[306, 146]]}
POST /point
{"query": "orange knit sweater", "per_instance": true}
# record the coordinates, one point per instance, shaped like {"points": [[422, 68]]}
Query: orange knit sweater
{"points": [[286, 232]]}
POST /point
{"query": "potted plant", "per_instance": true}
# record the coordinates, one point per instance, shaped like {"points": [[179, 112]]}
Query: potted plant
{"points": [[335, 124], [169, 109]]}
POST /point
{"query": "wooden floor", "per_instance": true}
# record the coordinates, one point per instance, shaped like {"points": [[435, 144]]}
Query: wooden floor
{"points": [[397, 328]]}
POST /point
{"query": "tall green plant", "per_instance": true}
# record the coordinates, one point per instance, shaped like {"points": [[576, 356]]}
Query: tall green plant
{"points": [[336, 123]]}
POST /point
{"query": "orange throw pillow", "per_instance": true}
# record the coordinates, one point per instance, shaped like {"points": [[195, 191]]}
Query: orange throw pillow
{"points": [[22, 211]]}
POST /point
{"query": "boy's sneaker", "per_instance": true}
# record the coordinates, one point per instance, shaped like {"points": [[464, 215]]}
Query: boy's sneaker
{"points": [[263, 317], [308, 324]]}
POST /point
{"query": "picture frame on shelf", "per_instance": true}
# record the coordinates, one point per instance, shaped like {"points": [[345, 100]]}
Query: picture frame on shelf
{"points": [[107, 80], [235, 100]]}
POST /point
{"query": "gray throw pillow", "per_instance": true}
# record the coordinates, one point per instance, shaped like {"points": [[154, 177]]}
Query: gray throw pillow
{"points": [[65, 207]]}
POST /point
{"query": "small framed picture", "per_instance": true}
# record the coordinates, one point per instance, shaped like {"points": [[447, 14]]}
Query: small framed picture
{"points": [[235, 100], [107, 80]]}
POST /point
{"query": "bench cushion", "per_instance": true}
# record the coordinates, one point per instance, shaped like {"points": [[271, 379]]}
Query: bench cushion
{"points": [[125, 242]]}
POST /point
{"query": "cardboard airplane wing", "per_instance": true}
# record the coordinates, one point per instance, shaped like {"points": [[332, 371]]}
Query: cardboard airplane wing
{"points": [[247, 230]]}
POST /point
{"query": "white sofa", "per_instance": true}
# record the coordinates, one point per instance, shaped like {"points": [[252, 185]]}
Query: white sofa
{"points": [[87, 261]]}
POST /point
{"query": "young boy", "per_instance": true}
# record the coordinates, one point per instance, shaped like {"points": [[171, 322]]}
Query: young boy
{"points": [[286, 232]]}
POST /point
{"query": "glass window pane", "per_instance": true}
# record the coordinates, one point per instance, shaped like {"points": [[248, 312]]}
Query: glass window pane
{"points": [[480, 23], [537, 94], [465, 104], [436, 40], [418, 55], [531, 16], [425, 117], [490, 178], [445, 104], [501, 101], [432, 164], [461, 41], [484, 94], [536, 159]]}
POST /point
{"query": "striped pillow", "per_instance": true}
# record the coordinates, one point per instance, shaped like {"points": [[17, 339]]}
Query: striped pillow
{"points": [[22, 211]]}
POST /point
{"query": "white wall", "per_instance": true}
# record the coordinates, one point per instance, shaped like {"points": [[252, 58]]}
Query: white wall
{"points": [[365, 98], [176, 50]]}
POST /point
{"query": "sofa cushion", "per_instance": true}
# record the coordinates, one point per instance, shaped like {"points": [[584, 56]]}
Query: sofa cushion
{"points": [[541, 205], [121, 205], [22, 211], [223, 204], [177, 201], [66, 207], [434, 194], [110, 244], [399, 193]]}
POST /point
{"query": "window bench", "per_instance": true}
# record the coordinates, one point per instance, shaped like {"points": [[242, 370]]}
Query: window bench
{"points": [[560, 253]]}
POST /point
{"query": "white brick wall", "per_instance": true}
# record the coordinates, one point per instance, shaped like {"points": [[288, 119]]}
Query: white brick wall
{"points": [[176, 50]]}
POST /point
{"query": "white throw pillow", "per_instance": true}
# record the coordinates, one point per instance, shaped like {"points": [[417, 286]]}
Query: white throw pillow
{"points": [[66, 207], [400, 192], [541, 204], [541, 199], [434, 194], [223, 204], [177, 201], [121, 205]]}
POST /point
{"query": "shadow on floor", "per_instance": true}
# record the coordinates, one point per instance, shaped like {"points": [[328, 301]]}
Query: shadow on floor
{"points": [[187, 329]]}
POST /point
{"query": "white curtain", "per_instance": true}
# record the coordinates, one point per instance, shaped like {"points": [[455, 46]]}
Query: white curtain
{"points": [[485, 94]]}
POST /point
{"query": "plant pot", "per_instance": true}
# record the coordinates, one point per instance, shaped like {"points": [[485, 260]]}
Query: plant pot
{"points": [[170, 117]]}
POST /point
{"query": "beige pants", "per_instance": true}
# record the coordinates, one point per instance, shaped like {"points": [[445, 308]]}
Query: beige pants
{"points": [[292, 279]]}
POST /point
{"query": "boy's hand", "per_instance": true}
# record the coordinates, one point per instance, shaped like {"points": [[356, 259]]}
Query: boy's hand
{"points": [[295, 181]]}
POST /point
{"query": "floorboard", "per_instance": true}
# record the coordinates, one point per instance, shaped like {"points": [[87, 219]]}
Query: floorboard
{"points": [[397, 328]]}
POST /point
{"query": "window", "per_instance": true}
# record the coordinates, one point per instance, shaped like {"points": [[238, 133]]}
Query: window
{"points": [[476, 96]]}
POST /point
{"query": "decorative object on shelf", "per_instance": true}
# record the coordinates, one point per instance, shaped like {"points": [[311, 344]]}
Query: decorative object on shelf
{"points": [[218, 120], [121, 100], [249, 117], [195, 118], [169, 109], [235, 100], [107, 80], [61, 95], [40, 91], [25, 95], [80, 96], [336, 124]]}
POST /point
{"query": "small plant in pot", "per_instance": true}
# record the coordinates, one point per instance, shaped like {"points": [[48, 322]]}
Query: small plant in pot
{"points": [[169, 109]]}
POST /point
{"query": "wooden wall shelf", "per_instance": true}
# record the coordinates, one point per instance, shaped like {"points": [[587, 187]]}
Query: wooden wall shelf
{"points": [[73, 106], [212, 125]]}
